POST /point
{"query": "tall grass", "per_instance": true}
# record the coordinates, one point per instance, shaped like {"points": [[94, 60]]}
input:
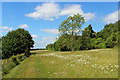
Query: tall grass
{"points": [[8, 64]]}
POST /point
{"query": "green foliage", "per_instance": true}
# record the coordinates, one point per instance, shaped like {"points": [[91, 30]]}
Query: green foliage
{"points": [[109, 43], [16, 42], [101, 45], [88, 32], [108, 29], [8, 64], [50, 47], [87, 36], [64, 43], [78, 42], [72, 26], [106, 38]]}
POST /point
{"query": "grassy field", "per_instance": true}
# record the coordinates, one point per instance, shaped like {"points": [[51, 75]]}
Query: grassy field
{"points": [[98, 63]]}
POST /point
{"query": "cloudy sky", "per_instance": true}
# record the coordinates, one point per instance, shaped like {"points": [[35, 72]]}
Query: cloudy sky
{"points": [[43, 19]]}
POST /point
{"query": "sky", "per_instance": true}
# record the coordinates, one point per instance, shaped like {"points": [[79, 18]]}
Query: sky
{"points": [[42, 19]]}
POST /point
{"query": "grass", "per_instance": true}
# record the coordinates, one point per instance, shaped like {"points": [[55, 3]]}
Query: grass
{"points": [[10, 63], [98, 63]]}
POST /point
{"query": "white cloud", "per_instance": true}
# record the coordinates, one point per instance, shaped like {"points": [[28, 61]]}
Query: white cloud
{"points": [[6, 29], [112, 17], [24, 26], [70, 10], [45, 41], [49, 11], [39, 44], [49, 38], [34, 36], [88, 16], [53, 31], [74, 9], [46, 11]]}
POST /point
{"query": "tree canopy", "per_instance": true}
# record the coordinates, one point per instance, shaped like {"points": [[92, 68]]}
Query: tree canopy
{"points": [[108, 37], [72, 26], [16, 42]]}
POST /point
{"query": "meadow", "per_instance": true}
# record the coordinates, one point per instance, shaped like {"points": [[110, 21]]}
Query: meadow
{"points": [[97, 63]]}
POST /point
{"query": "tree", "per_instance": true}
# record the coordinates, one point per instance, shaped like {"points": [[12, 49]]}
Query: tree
{"points": [[16, 42], [63, 43], [110, 42], [87, 35], [78, 42], [106, 38], [72, 25], [98, 42], [50, 47]]}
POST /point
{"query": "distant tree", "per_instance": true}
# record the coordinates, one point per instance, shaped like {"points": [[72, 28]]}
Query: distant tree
{"points": [[108, 37], [50, 47], [78, 42], [72, 25], [98, 42], [63, 43], [87, 36], [110, 42], [16, 42], [107, 30], [88, 32]]}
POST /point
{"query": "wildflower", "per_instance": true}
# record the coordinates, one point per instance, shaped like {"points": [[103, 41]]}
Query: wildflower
{"points": [[52, 62], [111, 70], [106, 71], [102, 68]]}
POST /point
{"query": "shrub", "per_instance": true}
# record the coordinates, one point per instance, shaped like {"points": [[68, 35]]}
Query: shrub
{"points": [[101, 45], [8, 64], [14, 58]]}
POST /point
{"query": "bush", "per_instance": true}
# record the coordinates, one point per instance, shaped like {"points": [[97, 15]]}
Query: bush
{"points": [[21, 58], [8, 64], [101, 45], [14, 58]]}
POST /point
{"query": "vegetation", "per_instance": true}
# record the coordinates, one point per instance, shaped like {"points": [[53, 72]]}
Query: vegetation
{"points": [[16, 42], [8, 64], [89, 39], [97, 63], [15, 48], [72, 26]]}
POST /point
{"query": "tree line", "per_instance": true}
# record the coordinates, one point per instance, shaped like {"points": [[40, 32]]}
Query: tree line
{"points": [[70, 39]]}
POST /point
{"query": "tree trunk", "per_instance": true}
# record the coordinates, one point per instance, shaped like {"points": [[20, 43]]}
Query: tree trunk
{"points": [[73, 44], [72, 40]]}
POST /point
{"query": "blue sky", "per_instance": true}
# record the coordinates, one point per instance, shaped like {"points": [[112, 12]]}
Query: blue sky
{"points": [[42, 19]]}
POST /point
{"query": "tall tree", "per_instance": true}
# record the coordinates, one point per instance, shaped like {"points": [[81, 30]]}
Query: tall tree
{"points": [[72, 25], [87, 35]]}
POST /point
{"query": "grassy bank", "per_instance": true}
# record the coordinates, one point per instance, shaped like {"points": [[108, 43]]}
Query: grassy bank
{"points": [[8, 64], [98, 63]]}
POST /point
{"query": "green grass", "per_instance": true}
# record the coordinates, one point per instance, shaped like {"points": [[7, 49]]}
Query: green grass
{"points": [[10, 63], [98, 63]]}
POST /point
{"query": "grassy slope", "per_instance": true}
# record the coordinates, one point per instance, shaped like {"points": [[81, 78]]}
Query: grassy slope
{"points": [[100, 63]]}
